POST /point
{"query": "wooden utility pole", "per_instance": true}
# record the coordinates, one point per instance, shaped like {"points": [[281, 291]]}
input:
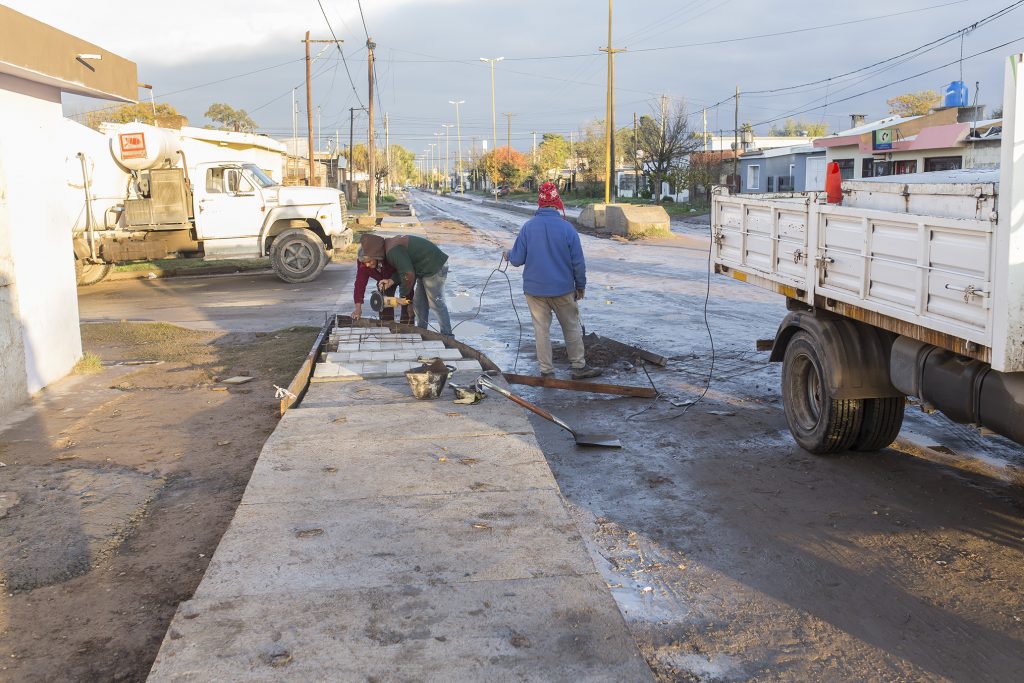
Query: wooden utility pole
{"points": [[636, 161], [705, 129], [609, 153], [351, 184], [508, 154], [371, 151], [387, 150], [736, 142], [309, 117]]}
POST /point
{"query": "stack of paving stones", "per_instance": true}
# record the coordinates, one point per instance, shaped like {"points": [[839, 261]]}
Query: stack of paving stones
{"points": [[383, 538], [357, 353]]}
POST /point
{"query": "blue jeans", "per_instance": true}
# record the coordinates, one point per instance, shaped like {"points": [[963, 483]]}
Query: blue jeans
{"points": [[429, 296]]}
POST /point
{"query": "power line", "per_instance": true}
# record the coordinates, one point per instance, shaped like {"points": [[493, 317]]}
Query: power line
{"points": [[337, 44]]}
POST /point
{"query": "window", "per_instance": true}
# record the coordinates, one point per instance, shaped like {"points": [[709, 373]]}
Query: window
{"points": [[770, 184], [753, 177], [214, 180], [235, 182], [904, 167], [845, 168], [882, 168], [867, 168], [943, 164]]}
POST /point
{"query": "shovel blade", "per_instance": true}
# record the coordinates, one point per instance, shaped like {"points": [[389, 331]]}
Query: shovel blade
{"points": [[598, 440]]}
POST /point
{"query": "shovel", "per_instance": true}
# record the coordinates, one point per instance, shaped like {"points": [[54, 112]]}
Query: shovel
{"points": [[601, 440]]}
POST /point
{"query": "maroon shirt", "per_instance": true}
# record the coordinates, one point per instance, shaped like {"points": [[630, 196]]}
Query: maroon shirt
{"points": [[383, 271]]}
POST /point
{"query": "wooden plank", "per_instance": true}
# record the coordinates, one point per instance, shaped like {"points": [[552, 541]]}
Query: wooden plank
{"points": [[300, 383], [573, 385]]}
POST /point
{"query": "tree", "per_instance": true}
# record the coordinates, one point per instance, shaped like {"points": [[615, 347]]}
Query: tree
{"points": [[703, 171], [792, 128], [663, 143], [552, 154], [403, 165], [142, 112], [505, 165], [230, 118], [914, 103], [590, 155]]}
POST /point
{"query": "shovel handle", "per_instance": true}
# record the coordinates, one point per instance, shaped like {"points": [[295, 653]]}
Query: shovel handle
{"points": [[486, 381]]}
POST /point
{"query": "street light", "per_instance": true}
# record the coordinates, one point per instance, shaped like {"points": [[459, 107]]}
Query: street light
{"points": [[447, 157], [494, 120], [432, 145], [438, 143], [458, 134]]}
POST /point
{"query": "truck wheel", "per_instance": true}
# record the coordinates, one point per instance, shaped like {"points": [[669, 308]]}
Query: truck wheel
{"points": [[87, 274], [883, 418], [819, 423], [298, 255]]}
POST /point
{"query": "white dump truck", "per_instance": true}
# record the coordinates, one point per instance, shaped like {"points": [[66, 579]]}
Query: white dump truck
{"points": [[913, 286], [173, 206]]}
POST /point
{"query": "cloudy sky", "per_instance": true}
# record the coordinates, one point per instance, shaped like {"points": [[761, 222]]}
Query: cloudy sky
{"points": [[553, 77]]}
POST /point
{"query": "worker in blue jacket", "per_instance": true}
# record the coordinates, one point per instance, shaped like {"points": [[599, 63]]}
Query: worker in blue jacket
{"points": [[554, 279]]}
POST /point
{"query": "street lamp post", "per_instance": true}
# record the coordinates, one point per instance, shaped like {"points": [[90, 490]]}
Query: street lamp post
{"points": [[494, 119], [432, 145], [458, 135], [438, 143], [447, 157]]}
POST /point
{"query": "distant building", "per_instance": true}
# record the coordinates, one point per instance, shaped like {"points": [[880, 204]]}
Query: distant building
{"points": [[945, 139], [783, 169], [39, 334]]}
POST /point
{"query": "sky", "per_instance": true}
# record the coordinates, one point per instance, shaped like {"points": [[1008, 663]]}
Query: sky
{"points": [[553, 78]]}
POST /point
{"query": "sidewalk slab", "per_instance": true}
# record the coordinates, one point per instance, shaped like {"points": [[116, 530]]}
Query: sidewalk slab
{"points": [[539, 630], [382, 391], [342, 470], [308, 546]]}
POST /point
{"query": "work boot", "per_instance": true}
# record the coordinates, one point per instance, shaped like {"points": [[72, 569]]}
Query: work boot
{"points": [[586, 372], [547, 373]]}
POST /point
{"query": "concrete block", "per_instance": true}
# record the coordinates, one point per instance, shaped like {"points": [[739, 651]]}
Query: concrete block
{"points": [[371, 369], [635, 221], [361, 355], [467, 364], [326, 370], [398, 367], [382, 355], [309, 546], [340, 469], [551, 629], [592, 216]]}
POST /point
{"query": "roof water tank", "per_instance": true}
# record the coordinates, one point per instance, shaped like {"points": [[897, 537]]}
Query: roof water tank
{"points": [[139, 147], [955, 95]]}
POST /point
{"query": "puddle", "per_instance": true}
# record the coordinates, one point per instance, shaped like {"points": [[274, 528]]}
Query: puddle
{"points": [[462, 303], [470, 329]]}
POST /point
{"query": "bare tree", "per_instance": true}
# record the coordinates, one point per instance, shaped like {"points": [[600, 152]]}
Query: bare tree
{"points": [[663, 142]]}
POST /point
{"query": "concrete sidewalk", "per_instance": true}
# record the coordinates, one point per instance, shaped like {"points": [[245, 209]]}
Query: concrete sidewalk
{"points": [[387, 539]]}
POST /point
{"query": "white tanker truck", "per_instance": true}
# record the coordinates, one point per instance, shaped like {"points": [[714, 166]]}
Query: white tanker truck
{"points": [[217, 210]]}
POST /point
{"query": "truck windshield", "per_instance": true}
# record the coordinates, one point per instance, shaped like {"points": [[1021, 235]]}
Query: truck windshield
{"points": [[260, 178]]}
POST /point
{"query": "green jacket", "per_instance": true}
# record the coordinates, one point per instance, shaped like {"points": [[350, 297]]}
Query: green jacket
{"points": [[420, 259]]}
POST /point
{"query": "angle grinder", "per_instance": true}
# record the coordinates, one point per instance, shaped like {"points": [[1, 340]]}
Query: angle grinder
{"points": [[378, 301]]}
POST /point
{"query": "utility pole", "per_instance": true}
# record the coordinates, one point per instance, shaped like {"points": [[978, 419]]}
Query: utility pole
{"points": [[371, 151], [609, 154], [534, 147], [309, 117], [458, 135], [351, 185], [508, 154], [705, 138], [636, 161], [736, 142], [295, 132], [447, 157], [494, 124], [472, 160], [572, 154]]}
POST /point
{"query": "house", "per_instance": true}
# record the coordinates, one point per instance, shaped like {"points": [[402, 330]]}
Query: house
{"points": [[800, 168], [39, 334], [945, 139]]}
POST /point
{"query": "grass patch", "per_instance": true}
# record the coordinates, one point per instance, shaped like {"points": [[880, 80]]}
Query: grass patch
{"points": [[149, 341], [191, 263], [88, 364], [363, 204], [348, 252]]}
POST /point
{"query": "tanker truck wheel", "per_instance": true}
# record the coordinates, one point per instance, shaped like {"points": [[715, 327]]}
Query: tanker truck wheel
{"points": [[819, 423], [87, 274], [298, 255]]}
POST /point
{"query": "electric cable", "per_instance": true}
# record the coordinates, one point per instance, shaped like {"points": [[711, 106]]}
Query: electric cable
{"points": [[503, 269]]}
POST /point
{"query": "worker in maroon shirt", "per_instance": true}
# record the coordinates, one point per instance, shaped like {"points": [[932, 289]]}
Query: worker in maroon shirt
{"points": [[379, 270]]}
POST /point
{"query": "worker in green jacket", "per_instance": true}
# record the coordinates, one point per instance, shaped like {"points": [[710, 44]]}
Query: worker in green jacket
{"points": [[419, 266]]}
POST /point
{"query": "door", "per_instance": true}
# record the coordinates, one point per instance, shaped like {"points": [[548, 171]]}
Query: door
{"points": [[228, 208], [815, 181]]}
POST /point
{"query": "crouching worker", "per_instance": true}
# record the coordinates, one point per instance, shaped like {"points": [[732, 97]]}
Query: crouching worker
{"points": [[420, 267], [554, 279], [381, 271]]}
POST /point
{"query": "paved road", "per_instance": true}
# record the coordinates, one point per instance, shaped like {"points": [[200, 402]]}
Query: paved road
{"points": [[247, 302]]}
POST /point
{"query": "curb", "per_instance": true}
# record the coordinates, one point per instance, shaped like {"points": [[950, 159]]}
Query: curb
{"points": [[180, 272]]}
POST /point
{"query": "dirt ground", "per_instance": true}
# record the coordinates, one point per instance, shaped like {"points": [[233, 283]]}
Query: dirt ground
{"points": [[115, 493]]}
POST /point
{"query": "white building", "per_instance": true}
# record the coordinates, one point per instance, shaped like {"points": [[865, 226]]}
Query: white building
{"points": [[39, 334]]}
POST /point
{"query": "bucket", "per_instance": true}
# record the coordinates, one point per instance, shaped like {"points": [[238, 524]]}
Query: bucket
{"points": [[427, 381]]}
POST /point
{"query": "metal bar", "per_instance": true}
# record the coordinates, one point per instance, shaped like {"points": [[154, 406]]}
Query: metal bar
{"points": [[573, 385]]}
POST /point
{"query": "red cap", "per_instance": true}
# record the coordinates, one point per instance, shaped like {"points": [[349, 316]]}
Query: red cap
{"points": [[548, 196]]}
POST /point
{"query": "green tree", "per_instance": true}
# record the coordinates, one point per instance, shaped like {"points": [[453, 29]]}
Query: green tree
{"points": [[505, 165], [143, 112], [230, 118], [662, 143], [914, 103], [552, 154], [792, 128]]}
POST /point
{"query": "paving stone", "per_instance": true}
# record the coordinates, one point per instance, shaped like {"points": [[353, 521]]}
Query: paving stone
{"points": [[549, 629], [378, 392]]}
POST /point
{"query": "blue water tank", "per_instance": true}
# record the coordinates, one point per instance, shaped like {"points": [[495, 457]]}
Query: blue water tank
{"points": [[955, 95]]}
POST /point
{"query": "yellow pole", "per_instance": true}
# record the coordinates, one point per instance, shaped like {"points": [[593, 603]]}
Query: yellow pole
{"points": [[608, 117]]}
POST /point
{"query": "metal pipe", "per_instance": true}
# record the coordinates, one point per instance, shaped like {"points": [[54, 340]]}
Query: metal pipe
{"points": [[90, 223]]}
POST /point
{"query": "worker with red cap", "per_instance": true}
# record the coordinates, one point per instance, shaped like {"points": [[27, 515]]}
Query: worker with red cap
{"points": [[554, 280]]}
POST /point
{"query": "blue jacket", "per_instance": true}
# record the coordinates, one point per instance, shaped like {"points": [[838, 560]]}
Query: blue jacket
{"points": [[550, 248]]}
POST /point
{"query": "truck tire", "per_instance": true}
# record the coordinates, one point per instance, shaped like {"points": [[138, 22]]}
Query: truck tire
{"points": [[87, 274], [298, 255], [819, 423], [883, 418]]}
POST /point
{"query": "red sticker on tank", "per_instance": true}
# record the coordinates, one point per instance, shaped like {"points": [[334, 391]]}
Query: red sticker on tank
{"points": [[133, 145]]}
